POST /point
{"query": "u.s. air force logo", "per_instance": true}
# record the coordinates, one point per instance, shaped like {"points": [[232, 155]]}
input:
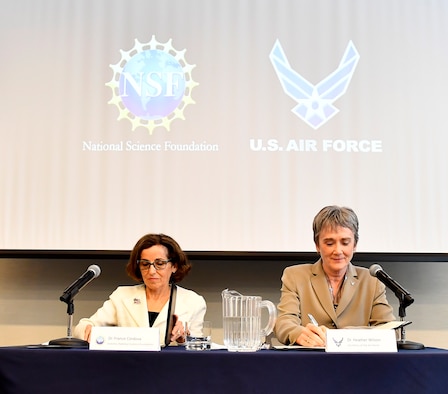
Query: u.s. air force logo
{"points": [[151, 85], [315, 102]]}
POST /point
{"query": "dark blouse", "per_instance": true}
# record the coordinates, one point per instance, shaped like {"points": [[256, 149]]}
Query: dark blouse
{"points": [[152, 316]]}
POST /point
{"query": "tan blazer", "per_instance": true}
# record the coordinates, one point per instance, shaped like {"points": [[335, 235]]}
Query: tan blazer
{"points": [[305, 290]]}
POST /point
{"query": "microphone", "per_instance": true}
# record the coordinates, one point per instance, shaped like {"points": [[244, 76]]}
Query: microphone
{"points": [[405, 300], [403, 295], [70, 292]]}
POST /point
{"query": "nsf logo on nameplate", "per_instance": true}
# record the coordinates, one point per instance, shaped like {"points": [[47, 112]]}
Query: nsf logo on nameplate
{"points": [[125, 338], [361, 341]]}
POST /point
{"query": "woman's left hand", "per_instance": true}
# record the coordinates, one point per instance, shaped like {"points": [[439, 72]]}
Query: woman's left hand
{"points": [[178, 333]]}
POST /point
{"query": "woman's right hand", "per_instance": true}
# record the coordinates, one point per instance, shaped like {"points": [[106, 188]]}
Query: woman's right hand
{"points": [[312, 336]]}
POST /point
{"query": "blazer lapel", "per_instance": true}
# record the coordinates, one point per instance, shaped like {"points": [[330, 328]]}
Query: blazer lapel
{"points": [[320, 286], [163, 314], [137, 307], [349, 290]]}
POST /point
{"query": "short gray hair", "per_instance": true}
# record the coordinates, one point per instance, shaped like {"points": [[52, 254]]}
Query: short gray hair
{"points": [[333, 216]]}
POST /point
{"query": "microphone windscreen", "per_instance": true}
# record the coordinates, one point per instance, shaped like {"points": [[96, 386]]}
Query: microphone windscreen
{"points": [[95, 269], [374, 269]]}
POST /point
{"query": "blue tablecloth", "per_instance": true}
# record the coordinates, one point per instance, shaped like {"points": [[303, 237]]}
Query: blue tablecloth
{"points": [[176, 370]]}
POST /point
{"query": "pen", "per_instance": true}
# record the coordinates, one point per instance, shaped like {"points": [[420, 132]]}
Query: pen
{"points": [[313, 320]]}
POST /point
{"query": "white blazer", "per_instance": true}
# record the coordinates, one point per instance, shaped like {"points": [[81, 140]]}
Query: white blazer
{"points": [[127, 307]]}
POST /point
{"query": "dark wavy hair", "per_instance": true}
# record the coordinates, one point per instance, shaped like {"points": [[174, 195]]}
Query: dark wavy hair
{"points": [[176, 255], [334, 216]]}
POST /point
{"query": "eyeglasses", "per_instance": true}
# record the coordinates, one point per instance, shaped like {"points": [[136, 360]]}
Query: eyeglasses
{"points": [[159, 264]]}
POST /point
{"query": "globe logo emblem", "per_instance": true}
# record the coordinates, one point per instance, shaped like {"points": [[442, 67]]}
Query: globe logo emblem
{"points": [[152, 84]]}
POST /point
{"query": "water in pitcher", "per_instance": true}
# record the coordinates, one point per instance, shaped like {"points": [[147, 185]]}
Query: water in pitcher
{"points": [[242, 321], [242, 333]]}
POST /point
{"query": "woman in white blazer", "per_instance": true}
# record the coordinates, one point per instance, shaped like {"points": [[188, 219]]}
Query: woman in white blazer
{"points": [[157, 262]]}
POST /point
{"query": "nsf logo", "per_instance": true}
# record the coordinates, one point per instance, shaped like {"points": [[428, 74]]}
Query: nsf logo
{"points": [[151, 85]]}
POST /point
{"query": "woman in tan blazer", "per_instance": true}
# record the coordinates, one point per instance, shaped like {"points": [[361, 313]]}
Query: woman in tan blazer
{"points": [[334, 291]]}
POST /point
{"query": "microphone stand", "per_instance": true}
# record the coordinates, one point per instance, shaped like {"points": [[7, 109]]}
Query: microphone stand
{"points": [[403, 343], [69, 341]]}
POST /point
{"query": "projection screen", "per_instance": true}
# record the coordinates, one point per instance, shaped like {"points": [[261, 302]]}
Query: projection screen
{"points": [[227, 124]]}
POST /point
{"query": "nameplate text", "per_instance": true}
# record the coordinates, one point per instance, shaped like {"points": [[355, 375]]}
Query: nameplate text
{"points": [[125, 338], [361, 341]]}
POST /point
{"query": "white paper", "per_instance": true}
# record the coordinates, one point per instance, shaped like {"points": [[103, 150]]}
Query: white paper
{"points": [[298, 347], [392, 325]]}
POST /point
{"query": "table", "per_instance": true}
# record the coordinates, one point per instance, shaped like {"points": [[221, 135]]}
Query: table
{"points": [[176, 370]]}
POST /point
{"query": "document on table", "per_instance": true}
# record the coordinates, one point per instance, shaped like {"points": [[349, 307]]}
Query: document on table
{"points": [[392, 325], [298, 347]]}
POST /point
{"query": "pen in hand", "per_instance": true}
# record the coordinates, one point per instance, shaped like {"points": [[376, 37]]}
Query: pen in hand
{"points": [[313, 320], [316, 324]]}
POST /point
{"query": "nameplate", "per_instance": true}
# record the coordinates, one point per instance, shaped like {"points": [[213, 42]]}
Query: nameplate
{"points": [[361, 341], [125, 338]]}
